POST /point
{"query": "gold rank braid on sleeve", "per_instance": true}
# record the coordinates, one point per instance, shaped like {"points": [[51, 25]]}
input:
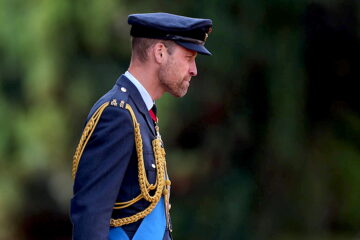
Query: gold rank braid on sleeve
{"points": [[162, 184]]}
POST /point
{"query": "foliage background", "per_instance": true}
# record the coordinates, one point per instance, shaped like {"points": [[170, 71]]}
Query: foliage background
{"points": [[264, 146]]}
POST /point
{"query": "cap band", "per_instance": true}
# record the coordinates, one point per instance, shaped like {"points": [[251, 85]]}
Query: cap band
{"points": [[185, 39], [146, 32]]}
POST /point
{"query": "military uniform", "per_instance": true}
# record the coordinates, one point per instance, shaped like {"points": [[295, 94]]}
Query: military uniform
{"points": [[121, 188]]}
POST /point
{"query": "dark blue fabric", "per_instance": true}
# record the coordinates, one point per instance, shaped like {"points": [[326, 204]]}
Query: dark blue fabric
{"points": [[168, 22], [107, 172], [195, 47], [183, 30]]}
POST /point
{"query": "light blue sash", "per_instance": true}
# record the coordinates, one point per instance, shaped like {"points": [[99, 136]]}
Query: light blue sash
{"points": [[152, 227]]}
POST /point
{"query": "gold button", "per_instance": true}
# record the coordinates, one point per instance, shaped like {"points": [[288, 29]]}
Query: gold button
{"points": [[123, 89]]}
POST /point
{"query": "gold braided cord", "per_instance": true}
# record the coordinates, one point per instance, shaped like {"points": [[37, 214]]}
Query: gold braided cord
{"points": [[145, 186], [159, 161], [162, 184], [122, 205], [127, 220], [88, 130]]}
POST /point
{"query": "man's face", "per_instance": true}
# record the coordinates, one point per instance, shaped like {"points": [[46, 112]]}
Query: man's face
{"points": [[175, 73]]}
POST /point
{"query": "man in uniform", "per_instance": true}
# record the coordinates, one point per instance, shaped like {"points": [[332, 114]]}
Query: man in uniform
{"points": [[121, 188]]}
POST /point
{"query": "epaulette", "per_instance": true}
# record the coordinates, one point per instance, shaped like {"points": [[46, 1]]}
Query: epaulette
{"points": [[119, 98]]}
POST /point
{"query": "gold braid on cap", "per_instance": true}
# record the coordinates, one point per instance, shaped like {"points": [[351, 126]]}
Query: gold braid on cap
{"points": [[162, 183]]}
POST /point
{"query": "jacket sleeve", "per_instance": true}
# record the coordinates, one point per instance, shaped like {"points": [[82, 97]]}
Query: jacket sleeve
{"points": [[100, 173]]}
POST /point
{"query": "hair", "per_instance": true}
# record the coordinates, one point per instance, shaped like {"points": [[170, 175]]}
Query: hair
{"points": [[140, 47]]}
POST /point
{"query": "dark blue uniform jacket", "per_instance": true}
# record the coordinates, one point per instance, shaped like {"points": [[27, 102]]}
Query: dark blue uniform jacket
{"points": [[107, 172]]}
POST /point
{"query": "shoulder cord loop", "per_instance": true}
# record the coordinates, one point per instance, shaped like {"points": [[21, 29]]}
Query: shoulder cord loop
{"points": [[88, 130], [145, 187]]}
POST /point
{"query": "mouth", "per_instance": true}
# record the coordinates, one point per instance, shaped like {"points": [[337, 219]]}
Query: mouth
{"points": [[187, 83]]}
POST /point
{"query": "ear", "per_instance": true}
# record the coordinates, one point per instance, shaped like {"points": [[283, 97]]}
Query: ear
{"points": [[159, 52]]}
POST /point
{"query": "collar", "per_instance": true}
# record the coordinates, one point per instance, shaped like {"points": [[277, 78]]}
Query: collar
{"points": [[135, 100], [144, 94]]}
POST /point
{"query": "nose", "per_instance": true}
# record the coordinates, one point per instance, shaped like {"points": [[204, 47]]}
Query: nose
{"points": [[193, 69]]}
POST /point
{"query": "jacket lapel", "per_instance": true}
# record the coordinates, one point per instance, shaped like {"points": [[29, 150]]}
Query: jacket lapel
{"points": [[135, 95]]}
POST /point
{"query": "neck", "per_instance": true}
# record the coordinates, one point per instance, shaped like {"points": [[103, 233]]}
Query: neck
{"points": [[148, 77]]}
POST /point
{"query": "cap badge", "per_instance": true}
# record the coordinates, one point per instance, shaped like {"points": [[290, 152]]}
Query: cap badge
{"points": [[206, 37]]}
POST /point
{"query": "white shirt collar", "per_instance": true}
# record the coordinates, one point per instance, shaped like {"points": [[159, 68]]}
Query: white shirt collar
{"points": [[144, 94]]}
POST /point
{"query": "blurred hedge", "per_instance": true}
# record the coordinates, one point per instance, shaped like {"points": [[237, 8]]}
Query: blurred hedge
{"points": [[264, 146]]}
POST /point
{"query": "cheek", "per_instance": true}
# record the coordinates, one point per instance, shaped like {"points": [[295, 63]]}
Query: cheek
{"points": [[178, 69], [183, 67]]}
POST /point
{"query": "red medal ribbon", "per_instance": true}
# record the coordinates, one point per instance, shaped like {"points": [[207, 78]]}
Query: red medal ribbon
{"points": [[152, 115]]}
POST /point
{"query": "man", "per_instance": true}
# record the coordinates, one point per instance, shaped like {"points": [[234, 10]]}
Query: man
{"points": [[121, 188]]}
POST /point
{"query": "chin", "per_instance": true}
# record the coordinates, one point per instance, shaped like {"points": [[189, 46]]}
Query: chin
{"points": [[183, 94], [179, 94]]}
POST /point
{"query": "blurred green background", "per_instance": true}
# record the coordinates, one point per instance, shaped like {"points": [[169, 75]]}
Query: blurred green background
{"points": [[265, 145]]}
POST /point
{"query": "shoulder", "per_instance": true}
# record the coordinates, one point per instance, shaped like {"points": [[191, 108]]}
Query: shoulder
{"points": [[113, 101]]}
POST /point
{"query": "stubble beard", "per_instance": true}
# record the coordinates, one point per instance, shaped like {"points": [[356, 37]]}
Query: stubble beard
{"points": [[171, 80]]}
